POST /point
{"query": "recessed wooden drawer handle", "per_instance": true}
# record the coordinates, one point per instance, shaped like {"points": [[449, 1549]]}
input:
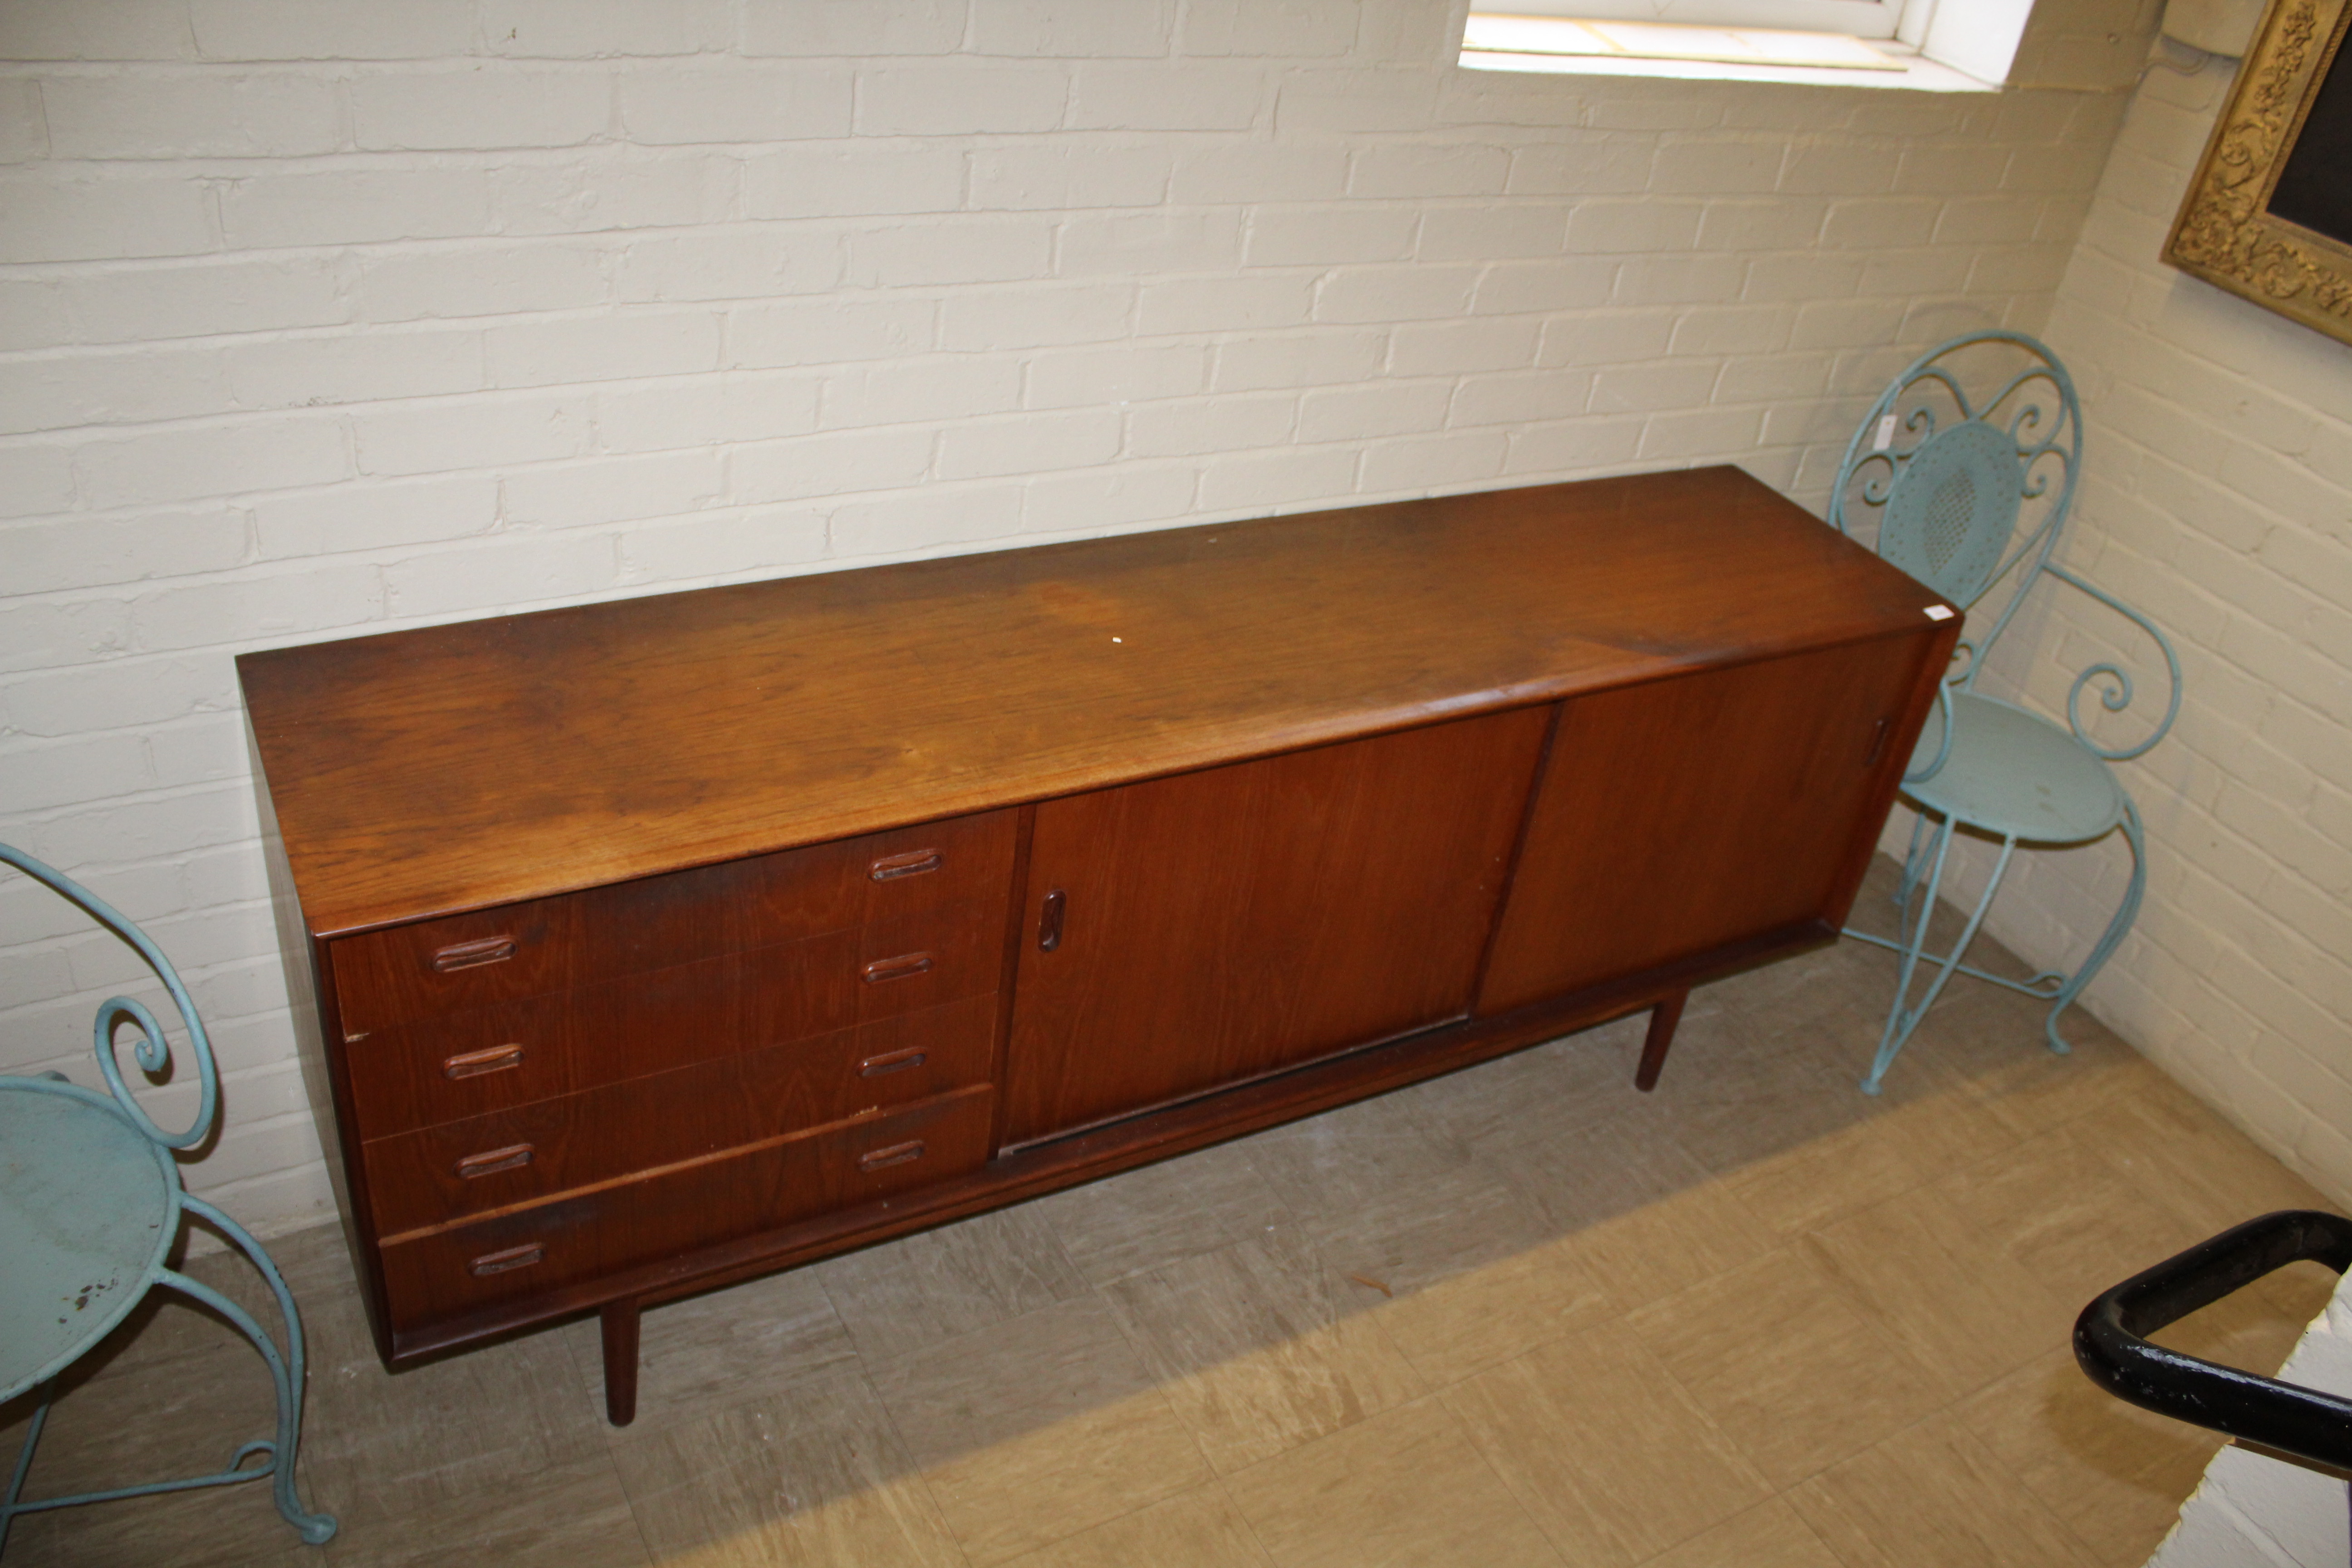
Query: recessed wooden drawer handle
{"points": [[913, 863], [491, 1161], [891, 1062], [1877, 740], [895, 1154], [471, 954], [474, 1064], [897, 968], [1049, 921], [511, 1258]]}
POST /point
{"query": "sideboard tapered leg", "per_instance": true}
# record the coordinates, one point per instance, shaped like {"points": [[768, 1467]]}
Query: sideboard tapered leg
{"points": [[620, 1323], [1663, 1019]]}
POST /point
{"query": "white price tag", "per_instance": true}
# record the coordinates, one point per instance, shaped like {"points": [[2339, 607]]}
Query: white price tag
{"points": [[1939, 612], [1885, 436]]}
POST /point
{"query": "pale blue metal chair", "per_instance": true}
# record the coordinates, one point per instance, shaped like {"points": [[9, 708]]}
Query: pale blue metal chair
{"points": [[91, 1205], [1971, 492]]}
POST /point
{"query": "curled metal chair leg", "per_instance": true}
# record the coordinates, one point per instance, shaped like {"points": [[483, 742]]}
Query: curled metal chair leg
{"points": [[1902, 1017], [2117, 929]]}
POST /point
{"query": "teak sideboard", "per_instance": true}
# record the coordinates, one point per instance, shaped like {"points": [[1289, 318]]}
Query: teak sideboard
{"points": [[646, 946]]}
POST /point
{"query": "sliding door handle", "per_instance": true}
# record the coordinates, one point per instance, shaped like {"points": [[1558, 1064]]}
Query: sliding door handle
{"points": [[1877, 742]]}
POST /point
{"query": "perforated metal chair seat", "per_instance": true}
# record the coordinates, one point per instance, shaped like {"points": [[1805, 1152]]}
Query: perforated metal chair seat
{"points": [[2017, 775], [87, 1208]]}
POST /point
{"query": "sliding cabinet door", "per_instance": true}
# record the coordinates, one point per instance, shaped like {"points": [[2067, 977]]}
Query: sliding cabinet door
{"points": [[1199, 931], [1688, 814]]}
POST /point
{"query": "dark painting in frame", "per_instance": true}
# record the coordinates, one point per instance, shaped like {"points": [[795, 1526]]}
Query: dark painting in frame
{"points": [[2269, 214]]}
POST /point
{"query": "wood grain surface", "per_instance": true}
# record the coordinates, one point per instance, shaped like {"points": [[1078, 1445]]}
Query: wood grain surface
{"points": [[533, 1248], [422, 1178], [1233, 921], [454, 768], [1726, 802]]}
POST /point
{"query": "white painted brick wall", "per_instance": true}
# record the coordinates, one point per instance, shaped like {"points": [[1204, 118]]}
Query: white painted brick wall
{"points": [[2217, 498], [320, 316]]}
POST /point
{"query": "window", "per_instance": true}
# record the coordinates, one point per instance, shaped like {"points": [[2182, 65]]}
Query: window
{"points": [[1944, 45]]}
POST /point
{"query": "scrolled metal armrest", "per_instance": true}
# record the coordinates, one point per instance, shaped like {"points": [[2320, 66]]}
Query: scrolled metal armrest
{"points": [[2117, 695], [1959, 679], [152, 1049], [1944, 751]]}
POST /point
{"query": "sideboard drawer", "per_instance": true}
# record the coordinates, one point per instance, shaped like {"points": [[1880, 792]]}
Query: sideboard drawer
{"points": [[425, 1178], [480, 1059], [551, 1245], [463, 962], [915, 962]]}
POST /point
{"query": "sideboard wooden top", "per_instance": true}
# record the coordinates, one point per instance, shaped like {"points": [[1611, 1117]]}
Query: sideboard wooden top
{"points": [[421, 772]]}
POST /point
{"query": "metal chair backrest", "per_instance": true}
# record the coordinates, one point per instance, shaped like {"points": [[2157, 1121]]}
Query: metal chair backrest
{"points": [[1949, 471]]}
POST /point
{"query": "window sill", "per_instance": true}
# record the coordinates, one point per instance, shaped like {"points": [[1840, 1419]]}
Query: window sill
{"points": [[1917, 75]]}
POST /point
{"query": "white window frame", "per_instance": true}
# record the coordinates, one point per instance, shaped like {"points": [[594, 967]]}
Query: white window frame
{"points": [[1948, 45]]}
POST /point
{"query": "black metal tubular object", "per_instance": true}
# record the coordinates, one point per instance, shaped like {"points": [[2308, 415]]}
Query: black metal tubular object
{"points": [[2109, 1341]]}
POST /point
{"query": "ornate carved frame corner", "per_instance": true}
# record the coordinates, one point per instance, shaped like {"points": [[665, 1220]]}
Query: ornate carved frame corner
{"points": [[2226, 233]]}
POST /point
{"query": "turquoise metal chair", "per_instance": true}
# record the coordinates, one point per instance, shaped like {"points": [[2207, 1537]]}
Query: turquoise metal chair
{"points": [[91, 1205], [1970, 493]]}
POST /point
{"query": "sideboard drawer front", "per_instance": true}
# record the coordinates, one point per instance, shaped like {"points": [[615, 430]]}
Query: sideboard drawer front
{"points": [[387, 978], [909, 1057], [910, 869], [922, 960], [435, 1175], [436, 967], [485, 1060], [545, 1247]]}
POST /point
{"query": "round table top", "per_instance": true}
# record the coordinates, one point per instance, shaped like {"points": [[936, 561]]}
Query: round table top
{"points": [[89, 1206]]}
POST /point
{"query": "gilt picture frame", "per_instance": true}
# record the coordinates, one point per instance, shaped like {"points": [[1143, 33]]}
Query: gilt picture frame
{"points": [[2269, 214]]}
